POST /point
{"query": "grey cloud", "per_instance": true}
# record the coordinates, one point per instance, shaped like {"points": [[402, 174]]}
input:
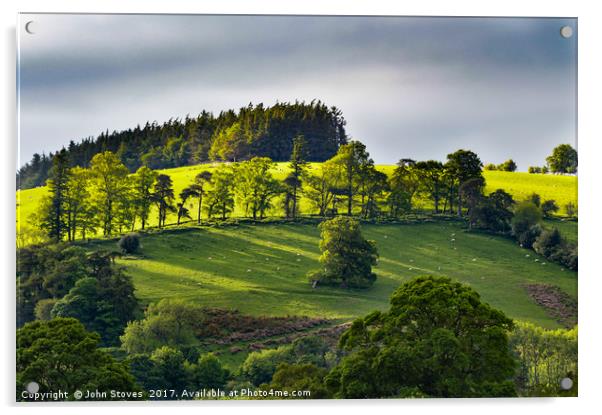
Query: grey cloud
{"points": [[406, 85]]}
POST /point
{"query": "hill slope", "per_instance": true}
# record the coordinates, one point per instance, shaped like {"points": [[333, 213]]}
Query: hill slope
{"points": [[260, 269]]}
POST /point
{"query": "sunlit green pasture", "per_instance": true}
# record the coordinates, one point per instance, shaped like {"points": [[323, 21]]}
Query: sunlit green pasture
{"points": [[261, 269]]}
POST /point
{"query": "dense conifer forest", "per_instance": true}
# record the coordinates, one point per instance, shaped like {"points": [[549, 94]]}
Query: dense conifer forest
{"points": [[254, 130]]}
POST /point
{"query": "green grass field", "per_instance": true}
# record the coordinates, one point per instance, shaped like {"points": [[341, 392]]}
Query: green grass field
{"points": [[563, 189], [260, 269]]}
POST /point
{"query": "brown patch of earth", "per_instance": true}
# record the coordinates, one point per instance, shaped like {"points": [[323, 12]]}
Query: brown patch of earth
{"points": [[557, 303]]}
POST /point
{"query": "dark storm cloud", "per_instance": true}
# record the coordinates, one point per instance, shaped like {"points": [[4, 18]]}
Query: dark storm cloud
{"points": [[416, 87]]}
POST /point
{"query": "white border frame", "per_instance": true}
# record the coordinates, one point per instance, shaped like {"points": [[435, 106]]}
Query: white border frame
{"points": [[589, 150]]}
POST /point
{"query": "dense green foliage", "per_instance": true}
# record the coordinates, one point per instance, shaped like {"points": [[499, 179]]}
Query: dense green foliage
{"points": [[493, 212], [545, 357], [554, 247], [438, 339], [61, 355], [104, 303], [260, 367], [509, 165], [254, 130], [47, 272], [63, 281], [167, 323], [53, 219], [463, 167], [347, 257], [129, 243], [526, 223], [563, 159], [300, 377], [167, 368]]}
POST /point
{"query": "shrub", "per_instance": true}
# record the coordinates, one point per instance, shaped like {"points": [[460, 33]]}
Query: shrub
{"points": [[170, 322], [129, 243], [260, 366], [490, 167], [534, 169], [551, 245], [571, 209], [548, 242], [525, 223], [570, 256], [299, 377], [209, 373], [549, 207], [535, 199]]}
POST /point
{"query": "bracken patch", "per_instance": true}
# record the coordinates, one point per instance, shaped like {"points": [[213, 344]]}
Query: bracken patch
{"points": [[557, 303]]}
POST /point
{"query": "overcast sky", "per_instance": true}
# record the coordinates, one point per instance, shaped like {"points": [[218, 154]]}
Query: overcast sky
{"points": [[408, 87]]}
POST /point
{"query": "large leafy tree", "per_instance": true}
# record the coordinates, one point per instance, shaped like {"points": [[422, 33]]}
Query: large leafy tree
{"points": [[220, 198], [110, 185], [77, 200], [347, 257], [438, 339], [493, 212], [47, 272], [209, 373], [373, 185], [60, 354], [198, 189], [182, 210], [166, 323], [104, 303], [255, 185], [404, 183], [526, 223], [319, 187], [350, 162], [563, 159], [431, 180], [163, 196], [462, 166], [142, 189]]}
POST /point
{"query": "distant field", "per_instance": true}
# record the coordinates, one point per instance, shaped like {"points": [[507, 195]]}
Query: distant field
{"points": [[563, 189], [260, 269], [567, 228]]}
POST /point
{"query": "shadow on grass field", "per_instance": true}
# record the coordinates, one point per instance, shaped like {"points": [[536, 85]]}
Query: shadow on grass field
{"points": [[261, 269]]}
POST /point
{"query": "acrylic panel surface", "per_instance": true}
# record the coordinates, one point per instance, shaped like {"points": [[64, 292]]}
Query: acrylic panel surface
{"points": [[296, 207]]}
